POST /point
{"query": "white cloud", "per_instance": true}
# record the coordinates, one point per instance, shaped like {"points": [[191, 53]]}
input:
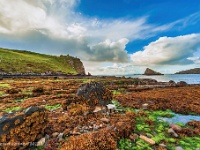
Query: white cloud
{"points": [[54, 27], [168, 50], [109, 51]]}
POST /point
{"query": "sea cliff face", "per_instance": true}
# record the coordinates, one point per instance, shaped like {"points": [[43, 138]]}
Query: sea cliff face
{"points": [[190, 71], [17, 62]]}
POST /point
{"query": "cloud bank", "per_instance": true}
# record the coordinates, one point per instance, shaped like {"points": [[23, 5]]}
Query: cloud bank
{"points": [[168, 50]]}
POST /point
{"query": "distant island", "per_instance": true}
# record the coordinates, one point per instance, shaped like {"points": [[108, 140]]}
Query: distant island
{"points": [[190, 71], [151, 72], [18, 62]]}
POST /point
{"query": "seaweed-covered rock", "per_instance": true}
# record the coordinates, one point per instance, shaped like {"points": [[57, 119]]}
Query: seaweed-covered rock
{"points": [[94, 93], [20, 129]]}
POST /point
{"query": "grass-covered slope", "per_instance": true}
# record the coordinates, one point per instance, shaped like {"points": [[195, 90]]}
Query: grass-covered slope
{"points": [[190, 71], [16, 61]]}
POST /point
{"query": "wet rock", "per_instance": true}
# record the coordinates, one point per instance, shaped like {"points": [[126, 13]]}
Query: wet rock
{"points": [[94, 93], [172, 132], [41, 142], [148, 140], [172, 83], [175, 127], [105, 120], [181, 83], [178, 148]]}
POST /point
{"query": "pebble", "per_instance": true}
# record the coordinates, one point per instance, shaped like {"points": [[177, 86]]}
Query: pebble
{"points": [[55, 134], [97, 109], [148, 140], [162, 145], [41, 142], [105, 120], [144, 106], [178, 148], [60, 135]]}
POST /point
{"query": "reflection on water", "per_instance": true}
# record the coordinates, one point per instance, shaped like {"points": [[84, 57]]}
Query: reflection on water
{"points": [[180, 118]]}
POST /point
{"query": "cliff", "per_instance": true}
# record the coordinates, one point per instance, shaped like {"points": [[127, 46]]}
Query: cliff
{"points": [[190, 71], [151, 72], [26, 62]]}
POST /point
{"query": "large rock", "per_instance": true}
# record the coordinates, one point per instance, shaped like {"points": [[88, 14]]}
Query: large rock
{"points": [[21, 129], [94, 93], [151, 72]]}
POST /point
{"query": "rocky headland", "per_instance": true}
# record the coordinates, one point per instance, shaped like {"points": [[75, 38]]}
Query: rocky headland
{"points": [[190, 71]]}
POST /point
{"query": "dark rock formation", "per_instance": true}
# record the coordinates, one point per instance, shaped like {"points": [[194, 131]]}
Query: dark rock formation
{"points": [[151, 72], [94, 93], [191, 71], [181, 83]]}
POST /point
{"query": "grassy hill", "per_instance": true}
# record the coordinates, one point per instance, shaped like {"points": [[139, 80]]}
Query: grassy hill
{"points": [[16, 61], [190, 71]]}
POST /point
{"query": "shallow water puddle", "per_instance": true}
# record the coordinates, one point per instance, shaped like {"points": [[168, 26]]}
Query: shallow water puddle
{"points": [[180, 118]]}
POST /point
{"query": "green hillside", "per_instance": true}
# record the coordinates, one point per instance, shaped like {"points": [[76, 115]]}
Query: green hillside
{"points": [[16, 61]]}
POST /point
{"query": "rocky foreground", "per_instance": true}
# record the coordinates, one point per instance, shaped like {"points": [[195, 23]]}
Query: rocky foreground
{"points": [[96, 113]]}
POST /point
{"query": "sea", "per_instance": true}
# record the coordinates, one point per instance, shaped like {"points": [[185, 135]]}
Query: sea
{"points": [[189, 78]]}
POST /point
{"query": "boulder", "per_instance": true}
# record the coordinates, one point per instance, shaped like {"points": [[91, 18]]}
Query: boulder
{"points": [[182, 83], [94, 93]]}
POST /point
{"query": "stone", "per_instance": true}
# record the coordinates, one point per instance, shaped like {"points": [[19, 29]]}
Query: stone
{"points": [[94, 94], [178, 148], [55, 134], [97, 109], [41, 142], [144, 106], [162, 145], [172, 83], [175, 127], [172, 132], [105, 120], [133, 137], [60, 135], [182, 83], [148, 140], [111, 106]]}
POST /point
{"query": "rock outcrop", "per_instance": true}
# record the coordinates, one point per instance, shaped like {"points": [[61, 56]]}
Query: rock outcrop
{"points": [[151, 72], [22, 129], [190, 71]]}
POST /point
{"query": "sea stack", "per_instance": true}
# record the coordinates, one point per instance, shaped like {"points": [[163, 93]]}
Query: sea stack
{"points": [[151, 72]]}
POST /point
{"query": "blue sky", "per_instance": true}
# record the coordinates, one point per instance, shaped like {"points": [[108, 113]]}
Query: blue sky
{"points": [[109, 36]]}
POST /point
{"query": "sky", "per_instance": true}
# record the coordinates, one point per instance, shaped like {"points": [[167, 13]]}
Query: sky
{"points": [[111, 37]]}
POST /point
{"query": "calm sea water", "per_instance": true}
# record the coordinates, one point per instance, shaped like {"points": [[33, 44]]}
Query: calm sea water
{"points": [[189, 78]]}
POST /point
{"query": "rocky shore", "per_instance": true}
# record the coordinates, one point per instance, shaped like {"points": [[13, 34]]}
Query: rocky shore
{"points": [[87, 112]]}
